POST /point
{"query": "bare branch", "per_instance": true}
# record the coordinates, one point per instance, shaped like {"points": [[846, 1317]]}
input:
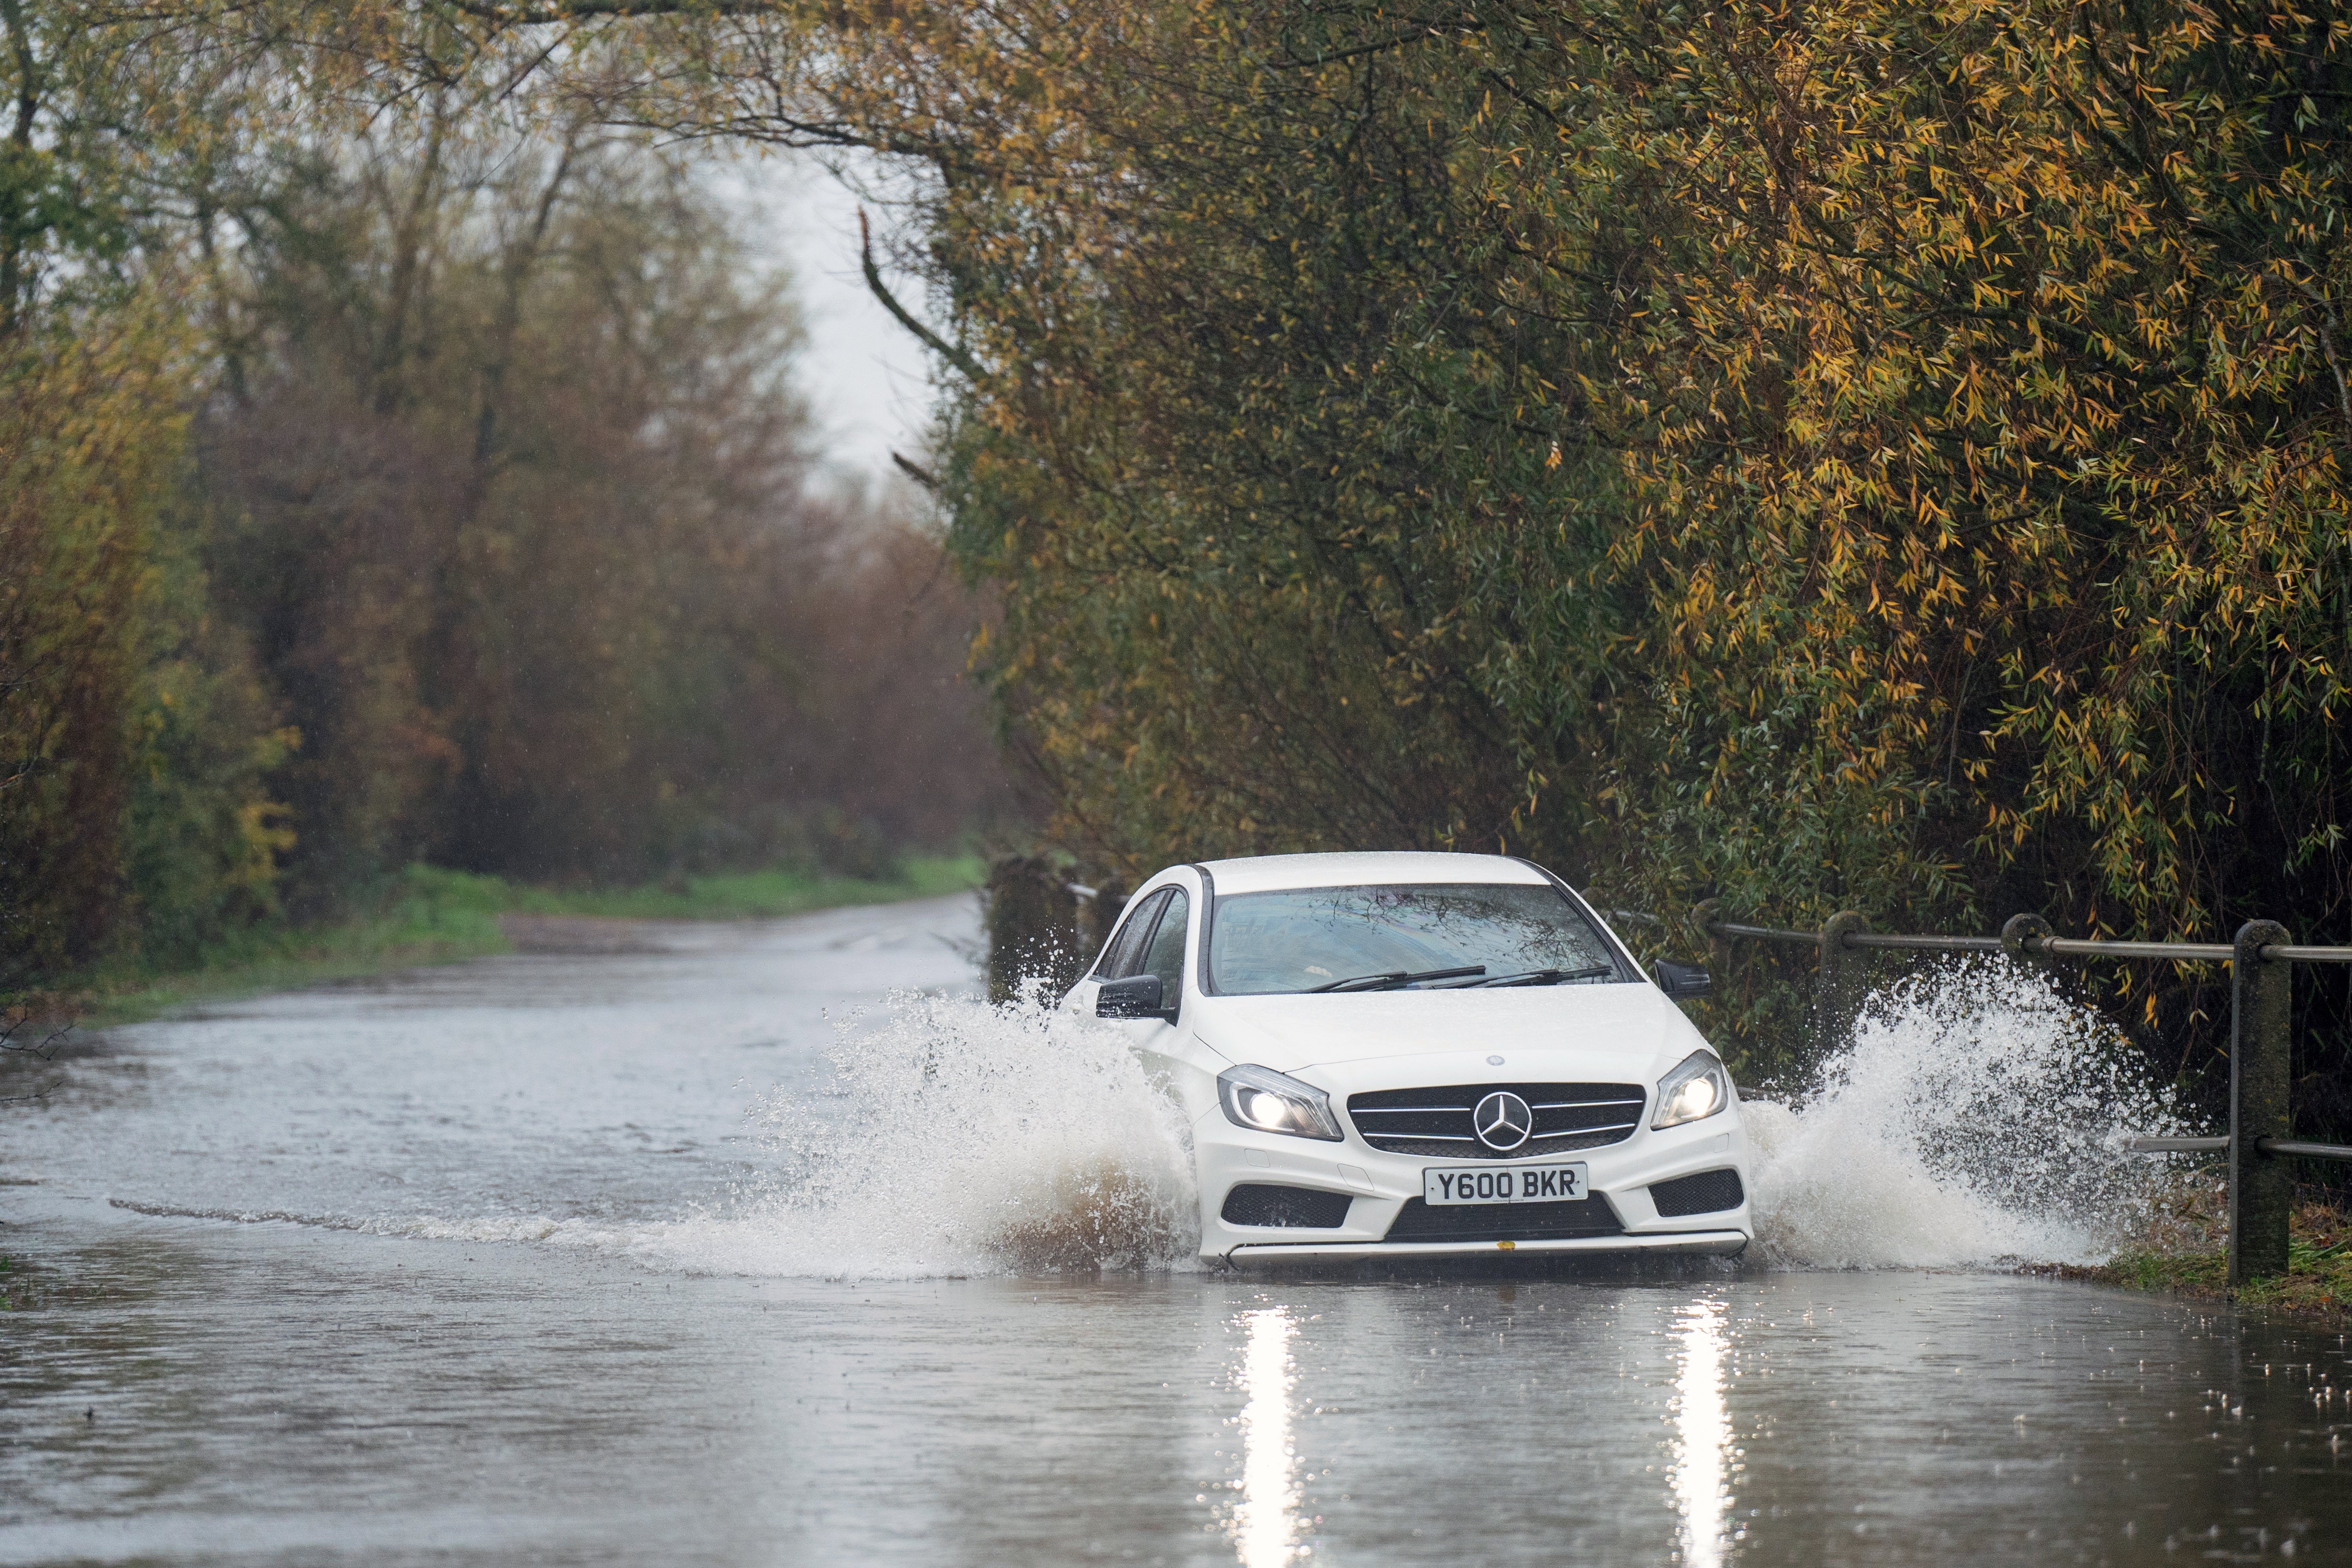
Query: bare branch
{"points": [[945, 350], [45, 1050], [582, 10], [2327, 345]]}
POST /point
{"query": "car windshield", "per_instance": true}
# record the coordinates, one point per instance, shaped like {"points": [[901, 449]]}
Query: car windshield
{"points": [[1311, 939]]}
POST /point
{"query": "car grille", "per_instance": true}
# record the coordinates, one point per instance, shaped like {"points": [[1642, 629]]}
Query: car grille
{"points": [[1503, 1222], [1262, 1202], [1709, 1192], [1568, 1116]]}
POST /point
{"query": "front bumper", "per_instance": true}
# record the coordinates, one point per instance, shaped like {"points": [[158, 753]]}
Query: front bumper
{"points": [[1711, 1243], [1380, 1185]]}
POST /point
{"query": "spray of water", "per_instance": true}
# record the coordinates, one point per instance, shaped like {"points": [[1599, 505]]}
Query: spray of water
{"points": [[1978, 1117], [957, 1138]]}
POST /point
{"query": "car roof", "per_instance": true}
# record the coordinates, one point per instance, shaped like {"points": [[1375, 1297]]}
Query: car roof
{"points": [[1265, 873]]}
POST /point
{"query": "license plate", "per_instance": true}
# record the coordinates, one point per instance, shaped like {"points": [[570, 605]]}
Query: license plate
{"points": [[1509, 1184]]}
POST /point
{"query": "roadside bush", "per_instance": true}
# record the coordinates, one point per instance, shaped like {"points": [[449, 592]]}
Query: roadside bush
{"points": [[1861, 456]]}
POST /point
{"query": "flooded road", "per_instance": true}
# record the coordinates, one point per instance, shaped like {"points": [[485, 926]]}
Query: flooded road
{"points": [[483, 1265]]}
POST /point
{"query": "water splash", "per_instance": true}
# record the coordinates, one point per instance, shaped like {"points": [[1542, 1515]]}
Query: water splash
{"points": [[958, 1138], [1978, 1116]]}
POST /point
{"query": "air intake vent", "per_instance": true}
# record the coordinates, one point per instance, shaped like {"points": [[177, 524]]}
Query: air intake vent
{"points": [[1254, 1203], [1568, 1116], [1503, 1222], [1709, 1192]]}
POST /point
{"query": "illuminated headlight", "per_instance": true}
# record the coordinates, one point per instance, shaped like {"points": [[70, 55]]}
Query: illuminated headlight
{"points": [[1697, 1089], [1265, 1101]]}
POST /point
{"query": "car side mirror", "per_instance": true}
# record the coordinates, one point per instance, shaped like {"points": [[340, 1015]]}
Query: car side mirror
{"points": [[1136, 996], [1681, 981]]}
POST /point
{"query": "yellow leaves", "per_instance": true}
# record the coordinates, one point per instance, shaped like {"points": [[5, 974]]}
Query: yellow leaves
{"points": [[264, 832], [1936, 441]]}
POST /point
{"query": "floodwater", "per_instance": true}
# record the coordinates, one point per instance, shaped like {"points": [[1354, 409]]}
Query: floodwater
{"points": [[513, 1262]]}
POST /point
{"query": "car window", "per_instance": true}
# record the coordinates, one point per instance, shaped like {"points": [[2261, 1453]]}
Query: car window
{"points": [[1300, 939], [1124, 955], [1165, 955]]}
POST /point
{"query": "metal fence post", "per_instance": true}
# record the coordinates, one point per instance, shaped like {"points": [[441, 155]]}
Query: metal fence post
{"points": [[1839, 985], [1703, 917], [1032, 927], [2261, 1043], [2018, 931]]}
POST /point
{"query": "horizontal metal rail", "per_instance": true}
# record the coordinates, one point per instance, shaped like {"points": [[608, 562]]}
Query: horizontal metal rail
{"points": [[2052, 946], [2072, 947], [2303, 1151], [1922, 943], [1761, 933], [2290, 1148]]}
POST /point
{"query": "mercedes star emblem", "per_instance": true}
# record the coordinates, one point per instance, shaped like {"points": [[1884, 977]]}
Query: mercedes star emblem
{"points": [[1502, 1121]]}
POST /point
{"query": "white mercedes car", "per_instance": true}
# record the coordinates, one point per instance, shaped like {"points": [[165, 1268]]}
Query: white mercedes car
{"points": [[1414, 1055]]}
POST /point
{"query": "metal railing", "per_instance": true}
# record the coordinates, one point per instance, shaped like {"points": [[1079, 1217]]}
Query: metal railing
{"points": [[2260, 1139]]}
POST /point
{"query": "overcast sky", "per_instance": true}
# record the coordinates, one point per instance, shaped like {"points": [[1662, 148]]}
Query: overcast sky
{"points": [[863, 373]]}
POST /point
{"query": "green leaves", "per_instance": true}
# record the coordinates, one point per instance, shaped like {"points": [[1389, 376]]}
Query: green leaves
{"points": [[1854, 456]]}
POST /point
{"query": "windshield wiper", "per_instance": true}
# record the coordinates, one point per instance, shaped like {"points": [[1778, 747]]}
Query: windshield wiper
{"points": [[1548, 976], [1401, 977]]}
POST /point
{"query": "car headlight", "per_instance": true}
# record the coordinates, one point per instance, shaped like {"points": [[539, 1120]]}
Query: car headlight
{"points": [[1265, 1101], [1697, 1089]]}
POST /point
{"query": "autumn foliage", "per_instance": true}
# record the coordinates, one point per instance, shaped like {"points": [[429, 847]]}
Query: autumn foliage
{"points": [[391, 476], [1825, 456], [1812, 456]]}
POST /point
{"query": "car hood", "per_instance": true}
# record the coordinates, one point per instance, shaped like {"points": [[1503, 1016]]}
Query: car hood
{"points": [[1622, 1028]]}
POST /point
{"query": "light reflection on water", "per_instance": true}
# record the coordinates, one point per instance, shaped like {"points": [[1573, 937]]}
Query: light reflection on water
{"points": [[1265, 1524], [1703, 1427]]}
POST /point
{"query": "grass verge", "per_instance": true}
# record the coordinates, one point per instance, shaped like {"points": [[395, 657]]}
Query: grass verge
{"points": [[2317, 1284], [434, 916]]}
